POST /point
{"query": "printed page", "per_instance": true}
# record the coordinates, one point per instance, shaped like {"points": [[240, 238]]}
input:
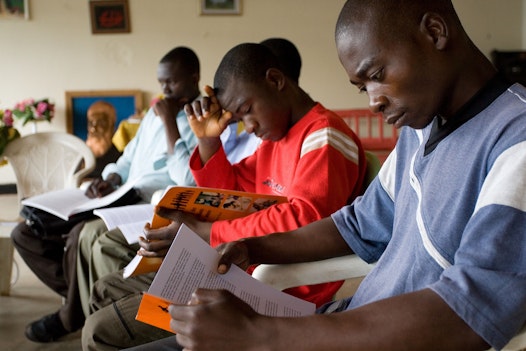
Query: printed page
{"points": [[67, 202], [92, 204], [59, 202], [129, 219], [132, 231], [191, 263]]}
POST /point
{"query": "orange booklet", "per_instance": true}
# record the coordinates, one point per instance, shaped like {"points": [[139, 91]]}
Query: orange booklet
{"points": [[209, 204], [190, 264]]}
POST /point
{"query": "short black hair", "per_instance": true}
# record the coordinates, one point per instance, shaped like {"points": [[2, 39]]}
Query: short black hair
{"points": [[287, 54], [184, 56], [247, 62]]}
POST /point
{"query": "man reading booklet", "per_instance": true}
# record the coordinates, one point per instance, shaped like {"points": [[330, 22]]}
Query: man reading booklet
{"points": [[308, 154], [156, 157]]}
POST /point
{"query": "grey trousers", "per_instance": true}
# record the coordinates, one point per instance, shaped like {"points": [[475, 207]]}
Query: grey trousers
{"points": [[166, 344], [112, 325], [101, 252]]}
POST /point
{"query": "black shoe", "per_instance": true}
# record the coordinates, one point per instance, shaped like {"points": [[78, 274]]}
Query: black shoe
{"points": [[46, 329]]}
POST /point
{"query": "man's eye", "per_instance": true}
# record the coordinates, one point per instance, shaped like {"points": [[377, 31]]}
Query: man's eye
{"points": [[362, 89], [377, 76]]}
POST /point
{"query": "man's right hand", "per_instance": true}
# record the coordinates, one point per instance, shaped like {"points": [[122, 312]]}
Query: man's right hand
{"points": [[235, 252], [206, 116], [100, 188]]}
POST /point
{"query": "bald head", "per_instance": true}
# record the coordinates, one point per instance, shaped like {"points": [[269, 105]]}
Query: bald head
{"points": [[105, 109], [392, 18]]}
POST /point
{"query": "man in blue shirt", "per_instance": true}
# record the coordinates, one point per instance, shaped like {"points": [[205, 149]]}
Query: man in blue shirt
{"points": [[445, 219], [155, 158]]}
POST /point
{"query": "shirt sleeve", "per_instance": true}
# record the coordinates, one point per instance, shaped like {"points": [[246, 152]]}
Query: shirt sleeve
{"points": [[178, 163], [123, 164], [486, 284], [310, 198]]}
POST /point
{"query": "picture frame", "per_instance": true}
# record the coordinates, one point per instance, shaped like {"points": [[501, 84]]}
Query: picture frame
{"points": [[220, 7], [109, 16], [126, 102], [14, 9]]}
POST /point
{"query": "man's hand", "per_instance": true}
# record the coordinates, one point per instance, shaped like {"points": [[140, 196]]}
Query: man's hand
{"points": [[168, 108], [235, 252], [101, 188], [206, 117], [156, 242], [216, 320]]}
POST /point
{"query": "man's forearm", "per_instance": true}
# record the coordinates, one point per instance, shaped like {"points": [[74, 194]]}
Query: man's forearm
{"points": [[207, 148], [415, 321], [316, 241]]}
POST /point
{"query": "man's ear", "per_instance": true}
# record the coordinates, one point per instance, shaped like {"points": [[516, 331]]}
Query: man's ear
{"points": [[275, 77], [436, 29], [196, 77]]}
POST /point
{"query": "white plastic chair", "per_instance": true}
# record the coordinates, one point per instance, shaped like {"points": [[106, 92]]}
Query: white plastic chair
{"points": [[41, 162], [284, 276], [48, 161]]}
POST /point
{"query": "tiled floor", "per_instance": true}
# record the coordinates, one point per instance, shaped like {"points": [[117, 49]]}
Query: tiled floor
{"points": [[29, 300]]}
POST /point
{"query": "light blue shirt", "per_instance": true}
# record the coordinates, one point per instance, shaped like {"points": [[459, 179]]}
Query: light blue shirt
{"points": [[145, 157], [238, 146]]}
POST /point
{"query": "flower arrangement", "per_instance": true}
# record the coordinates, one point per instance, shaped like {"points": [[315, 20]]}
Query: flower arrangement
{"points": [[34, 110], [8, 133]]}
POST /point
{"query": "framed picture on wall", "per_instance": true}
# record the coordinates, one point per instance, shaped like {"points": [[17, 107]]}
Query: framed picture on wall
{"points": [[126, 102], [108, 17], [220, 7], [14, 9]]}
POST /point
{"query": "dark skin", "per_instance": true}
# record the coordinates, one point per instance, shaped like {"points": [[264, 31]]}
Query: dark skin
{"points": [[268, 109], [179, 87], [437, 70]]}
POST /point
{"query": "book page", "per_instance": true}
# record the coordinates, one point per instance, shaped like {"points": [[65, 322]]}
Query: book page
{"points": [[67, 202], [191, 263], [129, 219]]}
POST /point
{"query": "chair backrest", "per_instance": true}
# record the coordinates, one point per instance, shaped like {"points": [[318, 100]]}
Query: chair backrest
{"points": [[48, 161], [375, 134], [372, 169]]}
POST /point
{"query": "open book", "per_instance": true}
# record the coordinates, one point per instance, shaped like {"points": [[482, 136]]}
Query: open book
{"points": [[209, 204], [129, 219], [190, 264], [68, 202]]}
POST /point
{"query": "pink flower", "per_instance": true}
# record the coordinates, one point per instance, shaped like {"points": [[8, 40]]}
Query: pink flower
{"points": [[42, 107], [8, 118]]}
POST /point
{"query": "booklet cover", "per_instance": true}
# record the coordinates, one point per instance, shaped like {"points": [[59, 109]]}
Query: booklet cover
{"points": [[190, 264], [209, 204]]}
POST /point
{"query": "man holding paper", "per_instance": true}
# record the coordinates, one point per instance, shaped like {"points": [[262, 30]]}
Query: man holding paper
{"points": [[155, 158]]}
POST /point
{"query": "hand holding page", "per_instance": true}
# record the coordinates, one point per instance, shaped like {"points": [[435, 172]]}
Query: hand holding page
{"points": [[190, 264], [208, 204]]}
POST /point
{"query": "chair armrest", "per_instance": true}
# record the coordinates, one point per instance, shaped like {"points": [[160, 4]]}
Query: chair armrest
{"points": [[518, 342], [283, 276]]}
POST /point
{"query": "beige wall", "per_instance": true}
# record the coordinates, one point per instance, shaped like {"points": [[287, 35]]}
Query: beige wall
{"points": [[55, 51]]}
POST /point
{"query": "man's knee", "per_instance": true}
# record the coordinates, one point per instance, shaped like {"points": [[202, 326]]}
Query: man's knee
{"points": [[91, 231]]}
